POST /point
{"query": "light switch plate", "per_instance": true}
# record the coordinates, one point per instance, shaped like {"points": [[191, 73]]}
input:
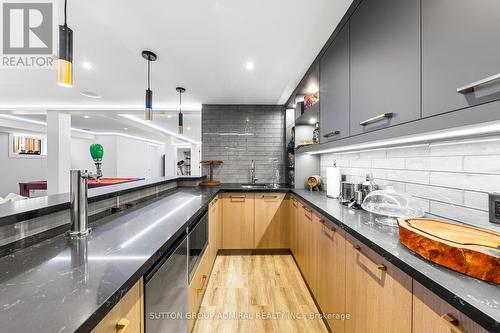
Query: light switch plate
{"points": [[494, 207]]}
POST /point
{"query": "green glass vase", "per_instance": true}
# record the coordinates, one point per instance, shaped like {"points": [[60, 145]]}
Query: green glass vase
{"points": [[96, 151]]}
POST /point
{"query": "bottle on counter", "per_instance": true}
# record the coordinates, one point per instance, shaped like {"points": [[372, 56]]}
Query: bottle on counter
{"points": [[369, 184], [316, 134]]}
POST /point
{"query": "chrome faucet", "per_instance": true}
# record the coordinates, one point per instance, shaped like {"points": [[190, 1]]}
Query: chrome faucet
{"points": [[253, 180], [79, 201]]}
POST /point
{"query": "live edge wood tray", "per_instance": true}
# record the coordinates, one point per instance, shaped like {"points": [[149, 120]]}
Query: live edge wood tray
{"points": [[468, 250]]}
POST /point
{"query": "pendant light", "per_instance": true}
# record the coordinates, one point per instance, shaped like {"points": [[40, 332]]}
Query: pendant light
{"points": [[65, 59], [181, 90], [148, 111]]}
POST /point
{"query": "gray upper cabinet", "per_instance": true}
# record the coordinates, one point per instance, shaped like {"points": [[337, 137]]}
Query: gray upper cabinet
{"points": [[334, 89], [460, 45], [385, 64]]}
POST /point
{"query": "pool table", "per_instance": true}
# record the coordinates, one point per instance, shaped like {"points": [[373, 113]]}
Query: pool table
{"points": [[24, 188]]}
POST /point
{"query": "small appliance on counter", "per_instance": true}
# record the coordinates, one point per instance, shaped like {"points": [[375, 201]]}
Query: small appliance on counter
{"points": [[333, 180], [390, 205]]}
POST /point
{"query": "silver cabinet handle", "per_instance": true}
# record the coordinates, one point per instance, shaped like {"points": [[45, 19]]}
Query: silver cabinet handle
{"points": [[472, 86], [327, 135], [380, 117]]}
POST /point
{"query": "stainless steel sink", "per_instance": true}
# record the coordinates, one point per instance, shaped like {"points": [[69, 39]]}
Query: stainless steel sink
{"points": [[250, 186]]}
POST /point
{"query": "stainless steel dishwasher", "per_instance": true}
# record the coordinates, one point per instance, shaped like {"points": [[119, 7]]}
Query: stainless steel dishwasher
{"points": [[166, 295]]}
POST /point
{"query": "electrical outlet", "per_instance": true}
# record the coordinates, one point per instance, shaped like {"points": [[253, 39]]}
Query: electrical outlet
{"points": [[494, 207]]}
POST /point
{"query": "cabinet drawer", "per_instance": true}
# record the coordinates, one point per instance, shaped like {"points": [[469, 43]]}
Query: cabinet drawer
{"points": [[127, 314], [198, 285], [378, 294], [431, 314]]}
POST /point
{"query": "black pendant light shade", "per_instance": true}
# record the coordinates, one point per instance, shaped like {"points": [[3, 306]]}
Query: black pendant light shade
{"points": [[148, 110], [181, 90], [65, 57]]}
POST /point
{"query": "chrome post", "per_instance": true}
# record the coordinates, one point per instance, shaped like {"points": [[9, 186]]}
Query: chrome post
{"points": [[79, 205]]}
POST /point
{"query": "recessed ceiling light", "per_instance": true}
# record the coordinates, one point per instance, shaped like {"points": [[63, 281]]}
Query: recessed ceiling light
{"points": [[86, 117], [312, 121], [294, 105], [87, 65], [312, 89], [125, 128], [169, 116], [90, 94], [188, 128], [249, 66]]}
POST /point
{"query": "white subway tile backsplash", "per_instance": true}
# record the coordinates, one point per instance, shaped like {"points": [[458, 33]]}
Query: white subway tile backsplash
{"points": [[447, 163], [477, 200], [451, 180], [462, 214], [389, 163], [442, 194], [467, 181], [482, 164]]}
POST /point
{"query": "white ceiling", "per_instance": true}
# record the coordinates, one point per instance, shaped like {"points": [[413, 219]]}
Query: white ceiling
{"points": [[202, 45]]}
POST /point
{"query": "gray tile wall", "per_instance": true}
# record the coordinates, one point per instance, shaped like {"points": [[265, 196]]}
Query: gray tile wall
{"points": [[452, 179], [238, 134]]}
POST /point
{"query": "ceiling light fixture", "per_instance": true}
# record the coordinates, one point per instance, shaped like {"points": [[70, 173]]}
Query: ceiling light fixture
{"points": [[90, 94], [125, 128], [148, 111], [312, 88], [181, 90], [65, 60], [250, 66], [86, 117], [87, 65]]}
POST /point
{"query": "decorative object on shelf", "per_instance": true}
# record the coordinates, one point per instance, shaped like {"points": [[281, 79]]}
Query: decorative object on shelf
{"points": [[310, 100], [333, 180], [148, 110], [305, 143], [314, 182], [181, 90], [211, 181], [465, 249], [97, 152], [65, 57], [316, 133], [391, 204]]}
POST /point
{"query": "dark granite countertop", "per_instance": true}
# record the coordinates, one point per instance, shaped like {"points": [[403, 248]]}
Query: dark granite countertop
{"points": [[476, 298], [48, 287], [22, 210]]}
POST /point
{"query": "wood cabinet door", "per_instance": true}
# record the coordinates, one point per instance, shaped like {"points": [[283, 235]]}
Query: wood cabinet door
{"points": [[129, 309], [431, 314], [238, 221], [334, 89], [331, 272], [378, 295], [292, 225], [385, 64], [455, 55], [213, 221], [270, 232]]}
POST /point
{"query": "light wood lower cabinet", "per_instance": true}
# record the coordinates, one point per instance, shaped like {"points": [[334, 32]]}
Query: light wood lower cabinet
{"points": [[270, 221], [431, 314], [198, 286], [127, 315], [238, 220], [378, 295], [292, 224], [331, 275], [214, 228]]}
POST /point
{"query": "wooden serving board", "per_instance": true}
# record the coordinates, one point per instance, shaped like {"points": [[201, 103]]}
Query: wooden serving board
{"points": [[468, 250]]}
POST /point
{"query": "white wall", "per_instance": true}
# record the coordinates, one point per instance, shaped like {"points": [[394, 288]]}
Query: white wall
{"points": [[80, 154], [18, 169]]}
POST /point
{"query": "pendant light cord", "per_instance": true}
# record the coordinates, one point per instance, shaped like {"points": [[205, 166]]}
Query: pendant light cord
{"points": [[180, 102], [65, 9]]}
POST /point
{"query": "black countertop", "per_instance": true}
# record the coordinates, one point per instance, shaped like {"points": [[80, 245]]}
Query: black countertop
{"points": [[22, 210], [48, 287]]}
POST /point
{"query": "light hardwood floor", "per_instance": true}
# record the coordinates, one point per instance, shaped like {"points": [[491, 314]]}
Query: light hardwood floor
{"points": [[256, 288]]}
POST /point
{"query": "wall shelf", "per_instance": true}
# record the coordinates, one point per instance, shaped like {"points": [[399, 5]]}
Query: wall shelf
{"points": [[309, 117]]}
